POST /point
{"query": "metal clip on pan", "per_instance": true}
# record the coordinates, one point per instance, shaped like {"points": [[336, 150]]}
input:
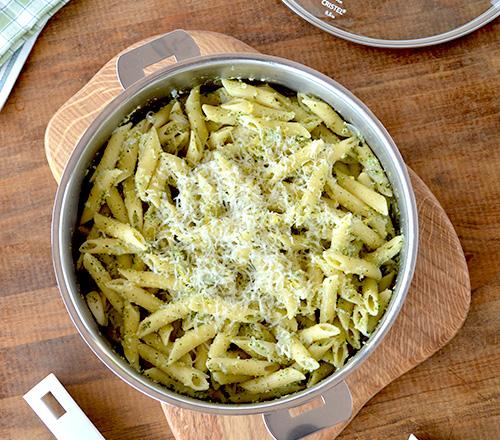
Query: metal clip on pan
{"points": [[130, 66], [337, 408]]}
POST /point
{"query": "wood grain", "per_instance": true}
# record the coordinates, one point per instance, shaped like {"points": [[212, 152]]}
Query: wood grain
{"points": [[427, 322], [441, 106]]}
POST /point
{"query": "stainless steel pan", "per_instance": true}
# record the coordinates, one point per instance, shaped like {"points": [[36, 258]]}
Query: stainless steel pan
{"points": [[191, 70]]}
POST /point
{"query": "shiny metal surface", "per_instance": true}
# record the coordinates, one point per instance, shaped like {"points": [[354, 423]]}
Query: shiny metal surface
{"points": [[336, 408], [185, 75], [130, 65]]}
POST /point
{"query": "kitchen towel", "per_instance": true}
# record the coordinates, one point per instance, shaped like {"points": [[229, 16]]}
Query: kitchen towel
{"points": [[12, 68], [21, 19]]}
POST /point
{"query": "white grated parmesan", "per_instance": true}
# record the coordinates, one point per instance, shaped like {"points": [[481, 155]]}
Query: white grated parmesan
{"points": [[230, 233]]}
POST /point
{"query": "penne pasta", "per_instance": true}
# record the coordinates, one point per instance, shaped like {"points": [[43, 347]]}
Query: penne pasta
{"points": [[133, 204], [148, 279], [112, 151], [109, 246], [104, 181], [135, 294], [191, 340], [149, 154], [188, 376], [370, 296], [97, 307], [273, 381], [122, 231], [131, 318], [240, 244], [165, 315], [101, 277], [329, 116], [318, 375], [386, 252], [317, 332], [372, 198], [248, 367], [353, 265]]}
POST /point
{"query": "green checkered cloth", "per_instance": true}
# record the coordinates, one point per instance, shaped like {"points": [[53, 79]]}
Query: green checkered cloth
{"points": [[20, 19]]}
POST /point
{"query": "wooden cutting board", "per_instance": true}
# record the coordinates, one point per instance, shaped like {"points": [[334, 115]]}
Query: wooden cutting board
{"points": [[434, 311]]}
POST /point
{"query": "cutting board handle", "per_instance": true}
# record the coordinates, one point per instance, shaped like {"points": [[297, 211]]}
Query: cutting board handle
{"points": [[130, 65], [336, 408]]}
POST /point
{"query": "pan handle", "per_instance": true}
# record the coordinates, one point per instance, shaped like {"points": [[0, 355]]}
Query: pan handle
{"points": [[130, 65], [337, 408]]}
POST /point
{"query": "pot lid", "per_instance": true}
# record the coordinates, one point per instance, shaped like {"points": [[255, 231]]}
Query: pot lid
{"points": [[397, 23]]}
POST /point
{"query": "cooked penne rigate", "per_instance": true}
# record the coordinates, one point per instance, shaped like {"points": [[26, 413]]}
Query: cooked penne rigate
{"points": [[238, 244]]}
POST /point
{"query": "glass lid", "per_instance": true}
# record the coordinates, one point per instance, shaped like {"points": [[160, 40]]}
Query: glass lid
{"points": [[397, 23]]}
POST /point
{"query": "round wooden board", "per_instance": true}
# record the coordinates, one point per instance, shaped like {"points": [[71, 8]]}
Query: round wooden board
{"points": [[434, 311]]}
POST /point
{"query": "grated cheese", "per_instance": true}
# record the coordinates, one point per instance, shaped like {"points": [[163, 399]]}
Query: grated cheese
{"points": [[230, 233]]}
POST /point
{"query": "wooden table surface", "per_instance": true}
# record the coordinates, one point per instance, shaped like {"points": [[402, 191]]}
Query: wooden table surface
{"points": [[440, 104]]}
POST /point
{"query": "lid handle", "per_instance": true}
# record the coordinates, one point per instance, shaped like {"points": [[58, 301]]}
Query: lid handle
{"points": [[337, 408], [130, 65]]}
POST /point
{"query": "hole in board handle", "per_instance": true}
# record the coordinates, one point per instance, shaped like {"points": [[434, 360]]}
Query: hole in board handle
{"points": [[152, 68], [53, 405], [309, 406]]}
